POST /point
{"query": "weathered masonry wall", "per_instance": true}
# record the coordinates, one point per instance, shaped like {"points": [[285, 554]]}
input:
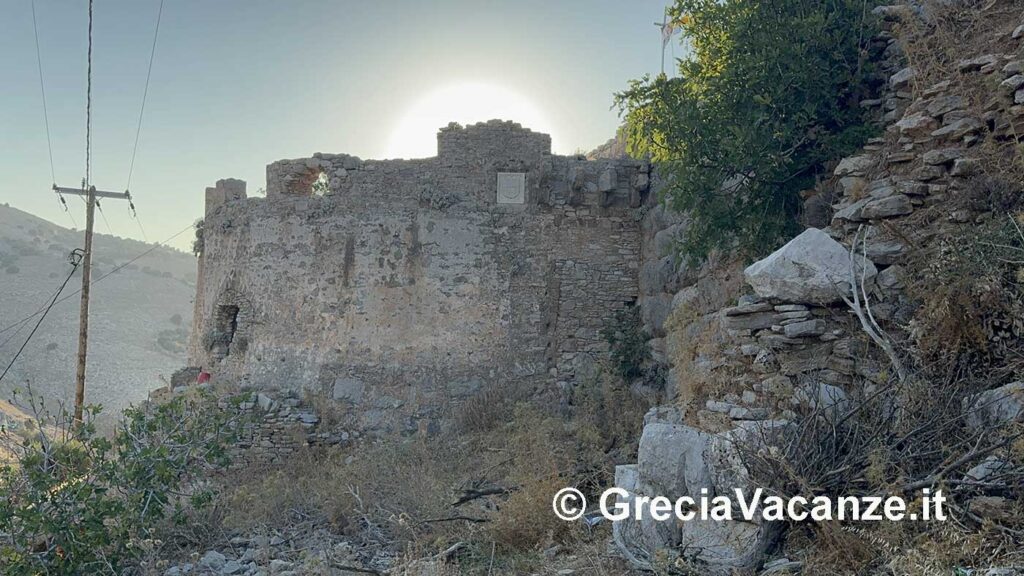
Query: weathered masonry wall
{"points": [[408, 284]]}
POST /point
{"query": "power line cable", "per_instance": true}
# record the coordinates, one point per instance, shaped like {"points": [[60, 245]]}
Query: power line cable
{"points": [[104, 216], [112, 271], [46, 115], [75, 261], [42, 90], [138, 128], [145, 93], [24, 321], [88, 107]]}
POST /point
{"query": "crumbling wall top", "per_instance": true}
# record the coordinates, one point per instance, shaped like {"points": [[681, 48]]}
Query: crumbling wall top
{"points": [[491, 140], [224, 191]]}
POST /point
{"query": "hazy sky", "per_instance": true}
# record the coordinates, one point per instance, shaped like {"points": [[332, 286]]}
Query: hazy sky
{"points": [[238, 84]]}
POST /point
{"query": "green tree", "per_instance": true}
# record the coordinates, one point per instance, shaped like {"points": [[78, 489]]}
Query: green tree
{"points": [[768, 93]]}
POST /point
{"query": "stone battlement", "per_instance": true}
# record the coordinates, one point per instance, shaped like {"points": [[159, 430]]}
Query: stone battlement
{"points": [[466, 170]]}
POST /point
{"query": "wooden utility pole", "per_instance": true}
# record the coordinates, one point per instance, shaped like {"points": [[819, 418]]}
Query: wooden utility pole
{"points": [[83, 322]]}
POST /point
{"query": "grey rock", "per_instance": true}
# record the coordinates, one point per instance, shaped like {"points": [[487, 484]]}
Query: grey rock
{"points": [[810, 269], [987, 467], [685, 297], [945, 104], [852, 212], [959, 128], [855, 165], [670, 460], [743, 309], [806, 328], [897, 205], [912, 188], [1005, 571], [679, 460], [965, 167], [885, 252], [830, 401], [720, 407], [266, 403], [916, 124], [348, 390], [903, 78], [607, 180], [975, 64], [996, 407], [942, 156], [756, 321], [742, 413], [213, 560], [1013, 83], [654, 311], [889, 279], [278, 566]]}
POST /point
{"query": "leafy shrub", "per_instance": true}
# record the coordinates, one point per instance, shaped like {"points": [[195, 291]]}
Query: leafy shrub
{"points": [[172, 341], [83, 503], [768, 95], [197, 242], [627, 339]]}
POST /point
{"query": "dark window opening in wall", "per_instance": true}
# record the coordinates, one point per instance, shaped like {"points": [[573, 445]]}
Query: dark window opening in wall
{"points": [[226, 325], [321, 185]]}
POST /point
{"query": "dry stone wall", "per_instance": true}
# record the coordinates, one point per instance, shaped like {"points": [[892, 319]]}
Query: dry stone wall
{"points": [[399, 287]]}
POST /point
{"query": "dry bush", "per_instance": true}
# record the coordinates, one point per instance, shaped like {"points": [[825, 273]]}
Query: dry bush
{"points": [[607, 422], [543, 454], [489, 407], [970, 297], [695, 336], [394, 484], [484, 489]]}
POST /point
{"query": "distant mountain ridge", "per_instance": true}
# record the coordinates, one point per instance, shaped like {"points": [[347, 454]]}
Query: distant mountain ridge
{"points": [[139, 315]]}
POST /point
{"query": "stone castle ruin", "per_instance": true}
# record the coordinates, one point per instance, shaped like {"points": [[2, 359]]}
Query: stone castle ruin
{"points": [[401, 286]]}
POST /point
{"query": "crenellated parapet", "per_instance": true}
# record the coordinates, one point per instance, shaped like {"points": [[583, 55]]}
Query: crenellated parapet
{"points": [[495, 141], [224, 191], [486, 164]]}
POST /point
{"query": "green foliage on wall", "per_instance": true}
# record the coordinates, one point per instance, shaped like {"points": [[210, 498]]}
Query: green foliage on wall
{"points": [[768, 93], [627, 341]]}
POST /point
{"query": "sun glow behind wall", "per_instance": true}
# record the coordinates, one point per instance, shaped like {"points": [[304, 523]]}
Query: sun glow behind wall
{"points": [[415, 134]]}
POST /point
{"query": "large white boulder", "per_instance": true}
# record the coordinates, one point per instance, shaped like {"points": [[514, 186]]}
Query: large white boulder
{"points": [[811, 269], [676, 460]]}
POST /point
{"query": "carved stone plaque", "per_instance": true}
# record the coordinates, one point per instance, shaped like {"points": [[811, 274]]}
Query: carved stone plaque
{"points": [[511, 187]]}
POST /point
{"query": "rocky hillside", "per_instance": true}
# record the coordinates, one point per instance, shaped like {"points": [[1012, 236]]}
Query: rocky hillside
{"points": [[877, 352], [139, 315]]}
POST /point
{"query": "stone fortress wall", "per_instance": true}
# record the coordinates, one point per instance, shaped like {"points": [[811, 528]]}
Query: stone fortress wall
{"points": [[402, 286]]}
